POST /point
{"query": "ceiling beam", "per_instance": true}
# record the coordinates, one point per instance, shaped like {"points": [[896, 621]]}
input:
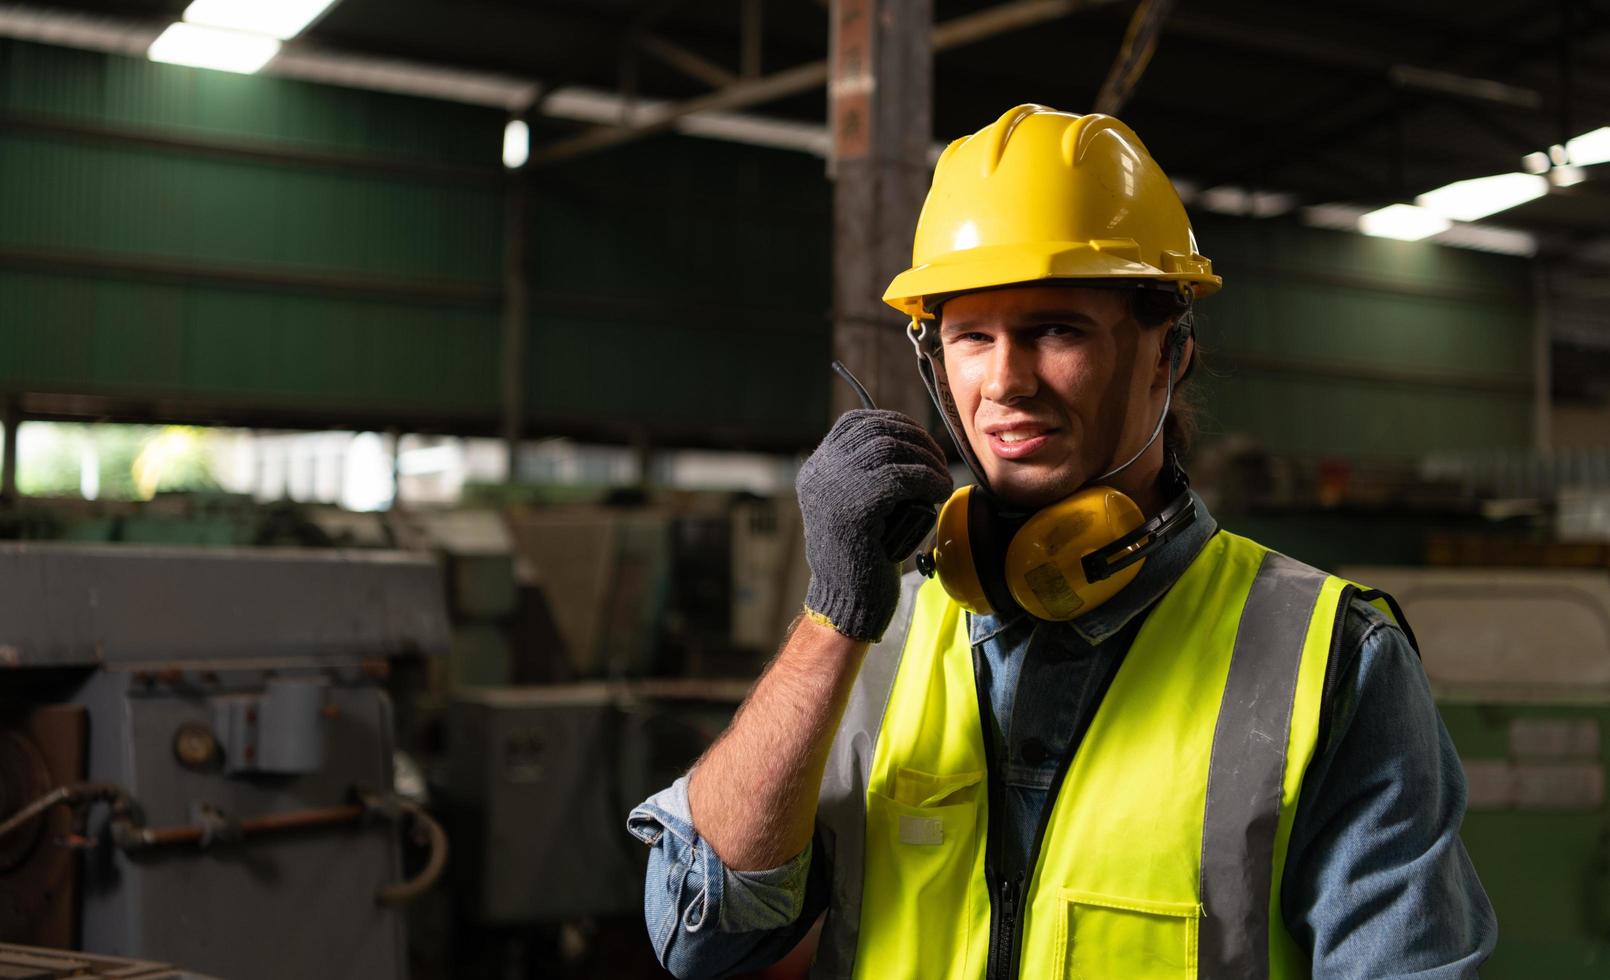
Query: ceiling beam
{"points": [[1345, 113], [953, 33], [1134, 54]]}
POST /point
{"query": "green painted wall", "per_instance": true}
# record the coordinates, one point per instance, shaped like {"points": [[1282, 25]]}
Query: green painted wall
{"points": [[261, 250], [687, 283], [1328, 343], [244, 248]]}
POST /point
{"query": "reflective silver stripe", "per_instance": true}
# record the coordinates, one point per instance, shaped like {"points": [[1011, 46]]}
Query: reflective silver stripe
{"points": [[1248, 767], [841, 808]]}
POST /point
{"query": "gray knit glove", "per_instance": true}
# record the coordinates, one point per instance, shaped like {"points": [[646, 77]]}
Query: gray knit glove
{"points": [[859, 493]]}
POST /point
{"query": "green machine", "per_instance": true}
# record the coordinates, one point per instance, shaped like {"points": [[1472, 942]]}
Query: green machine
{"points": [[1519, 661]]}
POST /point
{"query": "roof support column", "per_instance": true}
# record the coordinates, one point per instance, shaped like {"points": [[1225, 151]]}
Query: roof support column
{"points": [[881, 96]]}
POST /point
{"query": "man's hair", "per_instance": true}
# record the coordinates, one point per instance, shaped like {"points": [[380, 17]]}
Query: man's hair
{"points": [[1160, 308]]}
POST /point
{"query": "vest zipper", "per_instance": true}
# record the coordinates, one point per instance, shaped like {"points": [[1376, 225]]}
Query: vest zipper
{"points": [[1003, 953], [1003, 898], [1006, 914]]}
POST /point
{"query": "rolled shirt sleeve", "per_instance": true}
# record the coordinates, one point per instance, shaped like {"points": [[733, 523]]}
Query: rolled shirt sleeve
{"points": [[1377, 882], [703, 918]]}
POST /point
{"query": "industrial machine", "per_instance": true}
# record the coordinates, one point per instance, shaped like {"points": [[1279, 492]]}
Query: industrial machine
{"points": [[1519, 662], [528, 766], [196, 755]]}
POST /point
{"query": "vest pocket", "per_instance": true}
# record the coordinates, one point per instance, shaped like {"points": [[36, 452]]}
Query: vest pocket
{"points": [[918, 894], [1103, 937], [915, 788]]}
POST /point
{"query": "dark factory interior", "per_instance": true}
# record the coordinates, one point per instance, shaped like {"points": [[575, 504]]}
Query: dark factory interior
{"points": [[420, 439]]}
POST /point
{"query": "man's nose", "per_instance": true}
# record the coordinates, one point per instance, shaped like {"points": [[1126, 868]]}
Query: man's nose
{"points": [[1010, 373]]}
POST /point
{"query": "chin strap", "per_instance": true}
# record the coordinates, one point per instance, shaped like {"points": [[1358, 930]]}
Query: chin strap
{"points": [[1179, 332], [1180, 512], [926, 340]]}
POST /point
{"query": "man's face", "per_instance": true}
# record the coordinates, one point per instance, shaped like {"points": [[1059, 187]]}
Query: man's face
{"points": [[1052, 384]]}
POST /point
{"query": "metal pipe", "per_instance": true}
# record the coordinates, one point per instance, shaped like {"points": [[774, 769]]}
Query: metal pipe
{"points": [[70, 794], [424, 825], [436, 839], [330, 816]]}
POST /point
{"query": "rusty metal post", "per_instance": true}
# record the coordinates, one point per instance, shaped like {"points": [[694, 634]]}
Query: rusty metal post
{"points": [[881, 97]]}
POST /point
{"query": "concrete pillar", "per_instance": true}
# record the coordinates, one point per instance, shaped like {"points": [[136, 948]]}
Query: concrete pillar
{"points": [[881, 97]]}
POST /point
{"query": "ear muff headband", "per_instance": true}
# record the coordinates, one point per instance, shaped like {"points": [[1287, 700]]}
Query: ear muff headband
{"points": [[990, 537], [1103, 563]]}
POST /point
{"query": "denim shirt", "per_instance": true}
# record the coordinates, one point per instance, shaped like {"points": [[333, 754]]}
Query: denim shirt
{"points": [[1376, 882]]}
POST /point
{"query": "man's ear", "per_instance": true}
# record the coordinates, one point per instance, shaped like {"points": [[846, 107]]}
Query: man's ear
{"points": [[1167, 340]]}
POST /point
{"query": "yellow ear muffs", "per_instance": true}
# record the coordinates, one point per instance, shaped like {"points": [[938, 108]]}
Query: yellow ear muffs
{"points": [[953, 551], [1044, 566]]}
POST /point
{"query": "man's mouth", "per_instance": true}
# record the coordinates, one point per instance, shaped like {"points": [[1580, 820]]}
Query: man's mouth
{"points": [[1017, 441]]}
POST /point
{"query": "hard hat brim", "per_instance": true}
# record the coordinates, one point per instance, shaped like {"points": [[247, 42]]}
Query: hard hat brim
{"points": [[1027, 264]]}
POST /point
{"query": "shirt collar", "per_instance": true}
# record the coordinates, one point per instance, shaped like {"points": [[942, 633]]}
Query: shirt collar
{"points": [[1157, 575]]}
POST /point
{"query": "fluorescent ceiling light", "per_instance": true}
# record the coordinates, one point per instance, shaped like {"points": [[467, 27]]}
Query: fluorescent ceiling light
{"points": [[1567, 176], [1589, 148], [1226, 199], [1486, 238], [1404, 222], [1557, 155], [1337, 217], [1230, 199], [516, 144], [1271, 204], [283, 19], [1470, 200], [206, 47], [1536, 163]]}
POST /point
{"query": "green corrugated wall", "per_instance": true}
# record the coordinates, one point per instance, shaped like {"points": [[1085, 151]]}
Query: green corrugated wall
{"points": [[202, 245], [1330, 343], [243, 247], [687, 283]]}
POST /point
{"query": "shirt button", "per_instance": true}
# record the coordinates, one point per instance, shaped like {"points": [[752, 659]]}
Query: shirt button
{"points": [[1032, 751]]}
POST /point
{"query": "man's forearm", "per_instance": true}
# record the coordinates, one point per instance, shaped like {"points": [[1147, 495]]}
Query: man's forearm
{"points": [[753, 795]]}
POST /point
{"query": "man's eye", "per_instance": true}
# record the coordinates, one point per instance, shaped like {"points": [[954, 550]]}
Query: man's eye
{"points": [[969, 338], [1060, 330]]}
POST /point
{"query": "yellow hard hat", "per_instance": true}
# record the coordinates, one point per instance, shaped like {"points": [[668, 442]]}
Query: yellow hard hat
{"points": [[1041, 194]]}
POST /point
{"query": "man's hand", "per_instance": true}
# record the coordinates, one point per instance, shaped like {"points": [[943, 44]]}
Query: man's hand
{"points": [[851, 493]]}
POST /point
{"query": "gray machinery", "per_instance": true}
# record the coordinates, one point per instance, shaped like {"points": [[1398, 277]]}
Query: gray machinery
{"points": [[540, 779], [196, 755]]}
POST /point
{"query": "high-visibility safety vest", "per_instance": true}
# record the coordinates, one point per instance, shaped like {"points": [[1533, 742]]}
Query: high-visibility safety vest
{"points": [[1162, 854]]}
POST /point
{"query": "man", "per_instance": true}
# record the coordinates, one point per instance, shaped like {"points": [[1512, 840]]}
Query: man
{"points": [[1107, 740]]}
